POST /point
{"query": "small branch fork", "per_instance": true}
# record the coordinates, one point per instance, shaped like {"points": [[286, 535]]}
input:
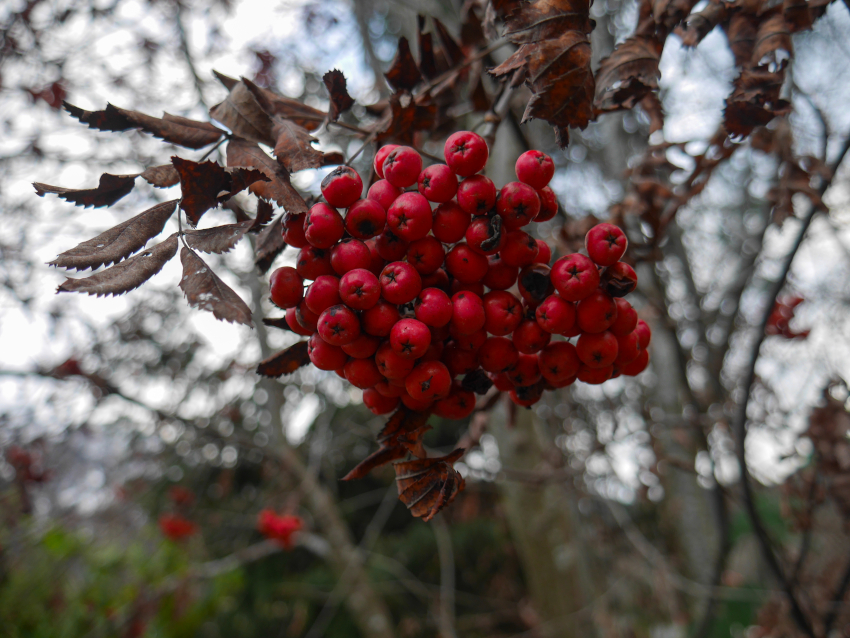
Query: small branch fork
{"points": [[739, 424]]}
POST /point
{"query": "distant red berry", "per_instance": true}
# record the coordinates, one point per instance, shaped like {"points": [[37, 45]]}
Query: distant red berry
{"points": [[503, 312], [362, 373], [313, 262], [450, 222], [176, 527], [287, 287], [466, 153], [618, 279], [644, 334], [391, 364], [500, 276], [535, 168], [293, 230], [359, 289], [279, 528], [497, 354], [605, 244], [597, 350], [380, 156], [362, 347], [518, 205], [637, 366], [626, 320], [390, 246], [402, 166], [575, 276], [526, 371], [476, 195], [338, 325], [342, 187], [438, 183]]}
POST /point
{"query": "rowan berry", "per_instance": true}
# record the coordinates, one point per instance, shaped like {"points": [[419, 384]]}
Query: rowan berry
{"points": [[390, 246], [410, 338], [322, 294], [323, 226], [350, 254], [626, 320], [529, 337], [306, 318], [525, 372], [426, 255], [535, 284], [644, 334], [628, 349], [535, 168], [433, 307], [518, 205], [295, 326], [548, 204], [338, 325], [458, 405], [596, 312], [342, 187], [485, 235], [544, 253], [526, 396], [459, 361], [391, 364], [637, 366], [467, 312], [362, 373], [605, 244], [500, 276], [379, 319], [323, 355], [313, 262], [363, 347], [502, 311], [409, 217], [359, 289], [476, 195], [555, 315], [618, 279], [466, 153], [520, 249], [286, 287], [428, 381], [293, 230], [575, 276], [450, 222], [384, 193], [388, 389], [402, 166], [365, 218], [558, 362], [594, 376], [380, 156], [378, 403], [497, 354], [597, 350], [400, 283], [437, 279], [438, 183], [466, 265], [472, 341], [413, 404]]}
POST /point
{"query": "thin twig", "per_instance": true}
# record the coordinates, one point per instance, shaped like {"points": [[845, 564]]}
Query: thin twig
{"points": [[829, 620], [446, 618]]}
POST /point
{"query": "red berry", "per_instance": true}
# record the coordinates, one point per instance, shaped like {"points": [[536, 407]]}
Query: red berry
{"points": [[548, 204], [530, 338], [378, 403], [476, 195], [377, 262], [359, 289], [466, 265], [500, 276], [322, 294], [535, 168], [501, 381], [379, 319], [596, 313], [466, 153], [287, 288], [296, 327], [644, 334], [594, 376], [400, 283], [389, 389], [458, 405], [362, 373], [605, 244], [434, 352], [323, 226], [409, 217], [559, 362], [502, 311], [293, 230], [363, 347], [410, 338], [323, 355], [391, 365], [426, 255], [313, 262], [450, 222], [520, 249], [476, 287], [471, 342], [380, 156], [467, 313], [497, 354], [526, 396], [575, 276], [544, 253], [459, 361], [555, 315], [433, 307], [518, 205], [390, 246], [485, 235], [402, 166], [365, 218], [438, 183], [628, 349], [525, 372], [350, 254], [306, 318], [384, 193], [428, 381], [597, 350], [338, 325], [535, 284], [626, 320], [412, 404], [342, 187], [618, 279], [637, 366], [437, 279]]}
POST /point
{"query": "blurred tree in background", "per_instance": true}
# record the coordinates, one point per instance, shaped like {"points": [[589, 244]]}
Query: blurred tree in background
{"points": [[139, 446]]}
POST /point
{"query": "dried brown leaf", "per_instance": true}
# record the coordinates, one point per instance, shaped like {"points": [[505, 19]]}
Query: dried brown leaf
{"points": [[219, 239], [627, 75], [279, 188], [125, 275], [285, 108], [426, 486], [341, 101], [204, 290], [265, 212], [285, 362], [698, 25], [276, 322], [241, 113], [378, 458], [269, 245], [110, 189], [294, 147], [161, 176], [405, 116], [773, 47], [171, 128], [453, 51], [403, 73], [402, 421], [227, 81], [119, 242]]}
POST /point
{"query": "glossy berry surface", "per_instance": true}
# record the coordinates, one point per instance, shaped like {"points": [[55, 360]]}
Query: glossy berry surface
{"points": [[535, 169], [342, 187], [359, 289], [466, 153], [438, 183], [286, 287], [323, 226], [380, 156], [338, 325], [409, 217], [476, 195], [402, 166], [518, 205], [605, 244]]}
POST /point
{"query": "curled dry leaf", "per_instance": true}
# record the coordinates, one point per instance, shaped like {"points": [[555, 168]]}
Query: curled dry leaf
{"points": [[401, 435], [241, 113], [668, 14], [126, 275], [110, 189], [341, 101], [276, 322], [405, 116], [285, 108], [754, 101], [269, 245], [171, 128], [161, 176], [285, 362], [219, 239], [118, 242], [477, 381], [207, 184], [265, 212], [204, 290], [294, 146], [627, 75], [426, 486], [404, 73], [279, 188], [698, 25]]}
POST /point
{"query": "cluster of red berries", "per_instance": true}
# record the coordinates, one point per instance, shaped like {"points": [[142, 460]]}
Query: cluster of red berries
{"points": [[278, 527], [397, 304]]}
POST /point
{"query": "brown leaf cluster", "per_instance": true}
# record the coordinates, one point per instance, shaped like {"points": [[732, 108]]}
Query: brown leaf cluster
{"points": [[427, 485], [204, 290], [341, 101], [401, 435]]}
